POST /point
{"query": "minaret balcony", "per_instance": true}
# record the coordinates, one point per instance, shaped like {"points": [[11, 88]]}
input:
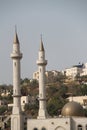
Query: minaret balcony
{"points": [[15, 55], [16, 95], [42, 99], [40, 62]]}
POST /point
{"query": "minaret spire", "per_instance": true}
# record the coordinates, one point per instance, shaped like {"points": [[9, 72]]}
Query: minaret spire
{"points": [[16, 117], [41, 44], [15, 29], [16, 40], [41, 62]]}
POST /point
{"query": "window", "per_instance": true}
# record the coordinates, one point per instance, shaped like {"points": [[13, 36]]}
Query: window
{"points": [[40, 69], [79, 127], [35, 129], [23, 101], [43, 128], [15, 63]]}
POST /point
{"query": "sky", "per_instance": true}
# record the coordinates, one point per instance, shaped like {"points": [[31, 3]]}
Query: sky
{"points": [[63, 25]]}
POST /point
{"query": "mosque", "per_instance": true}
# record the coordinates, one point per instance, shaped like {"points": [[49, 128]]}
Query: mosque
{"points": [[72, 115]]}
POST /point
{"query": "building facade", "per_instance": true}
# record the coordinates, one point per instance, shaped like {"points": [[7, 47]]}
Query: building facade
{"points": [[80, 99], [74, 71]]}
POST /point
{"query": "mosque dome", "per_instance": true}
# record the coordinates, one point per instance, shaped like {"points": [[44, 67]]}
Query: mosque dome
{"points": [[72, 109]]}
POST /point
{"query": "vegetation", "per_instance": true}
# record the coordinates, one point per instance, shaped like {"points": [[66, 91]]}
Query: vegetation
{"points": [[3, 109], [57, 91]]}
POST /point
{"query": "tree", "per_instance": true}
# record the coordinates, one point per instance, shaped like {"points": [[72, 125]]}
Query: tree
{"points": [[84, 89], [55, 105], [3, 109], [34, 83]]}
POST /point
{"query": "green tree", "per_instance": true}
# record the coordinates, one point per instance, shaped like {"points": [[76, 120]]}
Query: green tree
{"points": [[3, 109], [34, 83], [84, 89], [55, 105]]}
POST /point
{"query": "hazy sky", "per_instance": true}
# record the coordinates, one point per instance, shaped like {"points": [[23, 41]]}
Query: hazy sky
{"points": [[63, 24]]}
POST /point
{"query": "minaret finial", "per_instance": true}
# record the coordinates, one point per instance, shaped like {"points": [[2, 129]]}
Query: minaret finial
{"points": [[15, 29], [41, 37], [16, 40], [41, 44]]}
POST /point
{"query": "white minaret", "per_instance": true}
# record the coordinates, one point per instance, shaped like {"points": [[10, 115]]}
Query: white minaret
{"points": [[16, 117], [41, 62]]}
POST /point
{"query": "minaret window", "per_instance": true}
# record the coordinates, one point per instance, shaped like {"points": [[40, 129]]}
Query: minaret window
{"points": [[23, 101], [15, 63], [41, 56], [15, 51], [40, 69]]}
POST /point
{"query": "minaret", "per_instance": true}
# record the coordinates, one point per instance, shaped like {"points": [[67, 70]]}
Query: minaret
{"points": [[16, 117], [41, 62]]}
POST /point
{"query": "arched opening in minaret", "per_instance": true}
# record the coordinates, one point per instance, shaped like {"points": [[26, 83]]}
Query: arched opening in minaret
{"points": [[15, 63], [40, 70]]}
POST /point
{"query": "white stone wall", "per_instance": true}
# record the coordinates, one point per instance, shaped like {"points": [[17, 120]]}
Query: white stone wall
{"points": [[49, 124], [76, 121], [84, 72], [24, 100], [62, 123], [79, 99]]}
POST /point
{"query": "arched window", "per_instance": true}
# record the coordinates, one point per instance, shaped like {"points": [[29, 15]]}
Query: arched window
{"points": [[35, 129], [79, 127], [40, 69], [86, 127], [43, 128]]}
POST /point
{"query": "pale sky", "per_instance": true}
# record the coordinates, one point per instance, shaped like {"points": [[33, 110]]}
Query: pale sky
{"points": [[62, 23]]}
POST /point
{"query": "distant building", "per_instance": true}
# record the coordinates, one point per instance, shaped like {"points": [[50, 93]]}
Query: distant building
{"points": [[84, 70], [80, 99], [71, 73], [27, 100], [36, 75], [24, 100], [74, 71], [80, 70], [49, 75], [5, 93]]}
